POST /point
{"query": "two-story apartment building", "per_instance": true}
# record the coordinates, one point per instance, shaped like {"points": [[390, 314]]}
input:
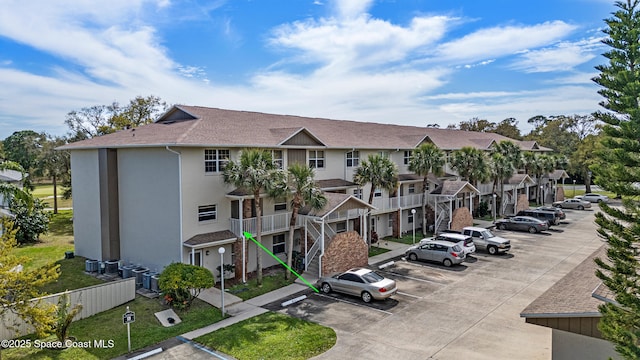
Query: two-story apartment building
{"points": [[155, 194]]}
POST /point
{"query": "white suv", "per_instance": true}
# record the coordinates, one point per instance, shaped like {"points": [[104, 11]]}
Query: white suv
{"points": [[466, 241]]}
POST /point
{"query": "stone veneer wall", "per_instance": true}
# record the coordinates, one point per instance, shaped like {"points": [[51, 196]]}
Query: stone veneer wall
{"points": [[460, 218], [523, 202], [346, 250], [559, 194]]}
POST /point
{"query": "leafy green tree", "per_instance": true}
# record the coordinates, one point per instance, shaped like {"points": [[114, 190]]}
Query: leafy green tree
{"points": [[380, 172], [20, 286], [182, 283], [427, 159], [54, 164], [509, 128], [477, 124], [30, 220], [619, 171], [301, 182], [99, 120], [255, 172], [24, 147], [64, 316], [470, 163]]}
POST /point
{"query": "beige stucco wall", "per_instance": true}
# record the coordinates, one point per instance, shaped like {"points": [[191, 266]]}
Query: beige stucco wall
{"points": [[86, 203], [570, 346]]}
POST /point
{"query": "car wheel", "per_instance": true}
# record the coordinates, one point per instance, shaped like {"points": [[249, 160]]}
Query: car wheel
{"points": [[533, 230], [366, 297], [502, 227], [447, 262], [413, 257], [326, 288], [580, 207], [492, 250]]}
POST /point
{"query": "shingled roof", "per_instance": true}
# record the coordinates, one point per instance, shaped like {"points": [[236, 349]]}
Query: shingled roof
{"points": [[200, 126]]}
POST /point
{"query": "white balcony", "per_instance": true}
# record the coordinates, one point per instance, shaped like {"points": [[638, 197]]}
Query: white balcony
{"points": [[398, 202], [270, 224]]}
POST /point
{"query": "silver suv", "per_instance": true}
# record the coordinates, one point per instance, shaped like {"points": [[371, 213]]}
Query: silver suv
{"points": [[466, 242], [486, 240], [439, 251]]}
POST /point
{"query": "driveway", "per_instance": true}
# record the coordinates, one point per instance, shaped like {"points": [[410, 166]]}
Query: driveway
{"points": [[464, 312]]}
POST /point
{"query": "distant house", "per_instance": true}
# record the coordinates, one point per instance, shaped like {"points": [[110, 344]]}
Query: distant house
{"points": [[570, 309], [155, 194], [10, 177]]}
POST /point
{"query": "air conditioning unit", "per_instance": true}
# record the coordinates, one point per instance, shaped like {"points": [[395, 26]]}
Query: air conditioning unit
{"points": [[146, 280], [127, 271], [111, 266], [154, 283], [138, 273], [91, 265]]}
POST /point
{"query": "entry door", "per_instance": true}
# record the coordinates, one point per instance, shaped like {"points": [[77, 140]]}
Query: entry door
{"points": [[198, 258]]}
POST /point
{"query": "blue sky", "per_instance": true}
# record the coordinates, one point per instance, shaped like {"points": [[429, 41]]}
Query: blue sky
{"points": [[413, 62]]}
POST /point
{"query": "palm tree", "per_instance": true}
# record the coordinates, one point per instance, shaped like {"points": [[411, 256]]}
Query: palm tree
{"points": [[427, 159], [470, 163], [501, 169], [255, 172], [305, 193], [537, 165], [380, 172]]}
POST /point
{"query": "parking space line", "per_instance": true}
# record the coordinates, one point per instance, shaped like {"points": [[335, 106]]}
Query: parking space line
{"points": [[409, 295], [413, 278], [355, 304]]}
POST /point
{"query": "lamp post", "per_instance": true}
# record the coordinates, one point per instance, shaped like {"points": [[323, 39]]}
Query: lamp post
{"points": [[574, 187], [413, 214], [542, 192], [221, 251], [494, 207]]}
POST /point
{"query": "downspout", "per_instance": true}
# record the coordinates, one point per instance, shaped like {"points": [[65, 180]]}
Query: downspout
{"points": [[244, 241], [179, 196]]}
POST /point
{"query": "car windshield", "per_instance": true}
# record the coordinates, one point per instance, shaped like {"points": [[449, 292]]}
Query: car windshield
{"points": [[487, 234], [372, 277]]}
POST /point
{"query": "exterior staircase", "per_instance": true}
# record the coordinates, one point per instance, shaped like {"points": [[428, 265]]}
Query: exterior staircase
{"points": [[312, 257], [442, 218]]}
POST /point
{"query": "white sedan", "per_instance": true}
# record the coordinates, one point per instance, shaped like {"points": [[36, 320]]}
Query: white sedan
{"points": [[593, 198]]}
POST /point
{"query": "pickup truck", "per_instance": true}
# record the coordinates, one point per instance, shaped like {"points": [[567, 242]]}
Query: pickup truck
{"points": [[485, 239]]}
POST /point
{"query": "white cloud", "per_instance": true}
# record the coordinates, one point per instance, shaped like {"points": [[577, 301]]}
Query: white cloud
{"points": [[563, 56], [350, 9], [504, 40]]}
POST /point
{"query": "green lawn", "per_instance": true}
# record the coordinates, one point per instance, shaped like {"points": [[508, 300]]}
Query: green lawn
{"points": [[72, 276], [269, 283], [44, 192], [374, 250], [52, 245], [271, 336], [145, 331], [408, 238]]}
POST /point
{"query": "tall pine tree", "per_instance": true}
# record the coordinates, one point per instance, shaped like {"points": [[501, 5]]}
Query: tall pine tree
{"points": [[620, 172]]}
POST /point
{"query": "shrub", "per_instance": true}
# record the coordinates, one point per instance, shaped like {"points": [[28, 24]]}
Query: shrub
{"points": [[182, 283]]}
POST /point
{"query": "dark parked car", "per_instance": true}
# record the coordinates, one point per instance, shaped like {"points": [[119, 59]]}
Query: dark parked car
{"points": [[523, 223], [559, 213], [548, 216]]}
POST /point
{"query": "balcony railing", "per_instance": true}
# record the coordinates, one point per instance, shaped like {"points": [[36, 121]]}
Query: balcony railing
{"points": [[395, 203], [270, 224]]}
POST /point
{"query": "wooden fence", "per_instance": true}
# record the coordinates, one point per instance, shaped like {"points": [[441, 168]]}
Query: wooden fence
{"points": [[94, 299]]}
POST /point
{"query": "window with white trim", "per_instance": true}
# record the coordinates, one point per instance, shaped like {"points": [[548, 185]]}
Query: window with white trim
{"points": [[353, 158], [383, 154], [280, 204], [278, 159], [377, 193], [207, 213], [411, 189], [341, 227], [316, 159], [410, 218], [357, 193], [278, 244], [215, 160], [407, 156], [390, 223]]}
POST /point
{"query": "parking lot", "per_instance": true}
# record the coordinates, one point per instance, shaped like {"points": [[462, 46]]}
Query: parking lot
{"points": [[468, 311]]}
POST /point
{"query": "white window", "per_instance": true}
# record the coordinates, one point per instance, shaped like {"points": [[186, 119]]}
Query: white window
{"points": [[195, 258], [357, 193], [278, 244], [377, 193], [341, 227], [316, 159], [410, 218], [353, 158], [383, 154], [278, 160], [207, 213], [215, 160], [407, 156], [412, 189], [280, 204], [390, 223]]}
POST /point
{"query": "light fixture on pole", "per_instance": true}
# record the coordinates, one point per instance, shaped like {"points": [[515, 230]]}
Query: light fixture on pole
{"points": [[413, 217], [574, 187], [221, 251], [494, 207], [542, 192]]}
